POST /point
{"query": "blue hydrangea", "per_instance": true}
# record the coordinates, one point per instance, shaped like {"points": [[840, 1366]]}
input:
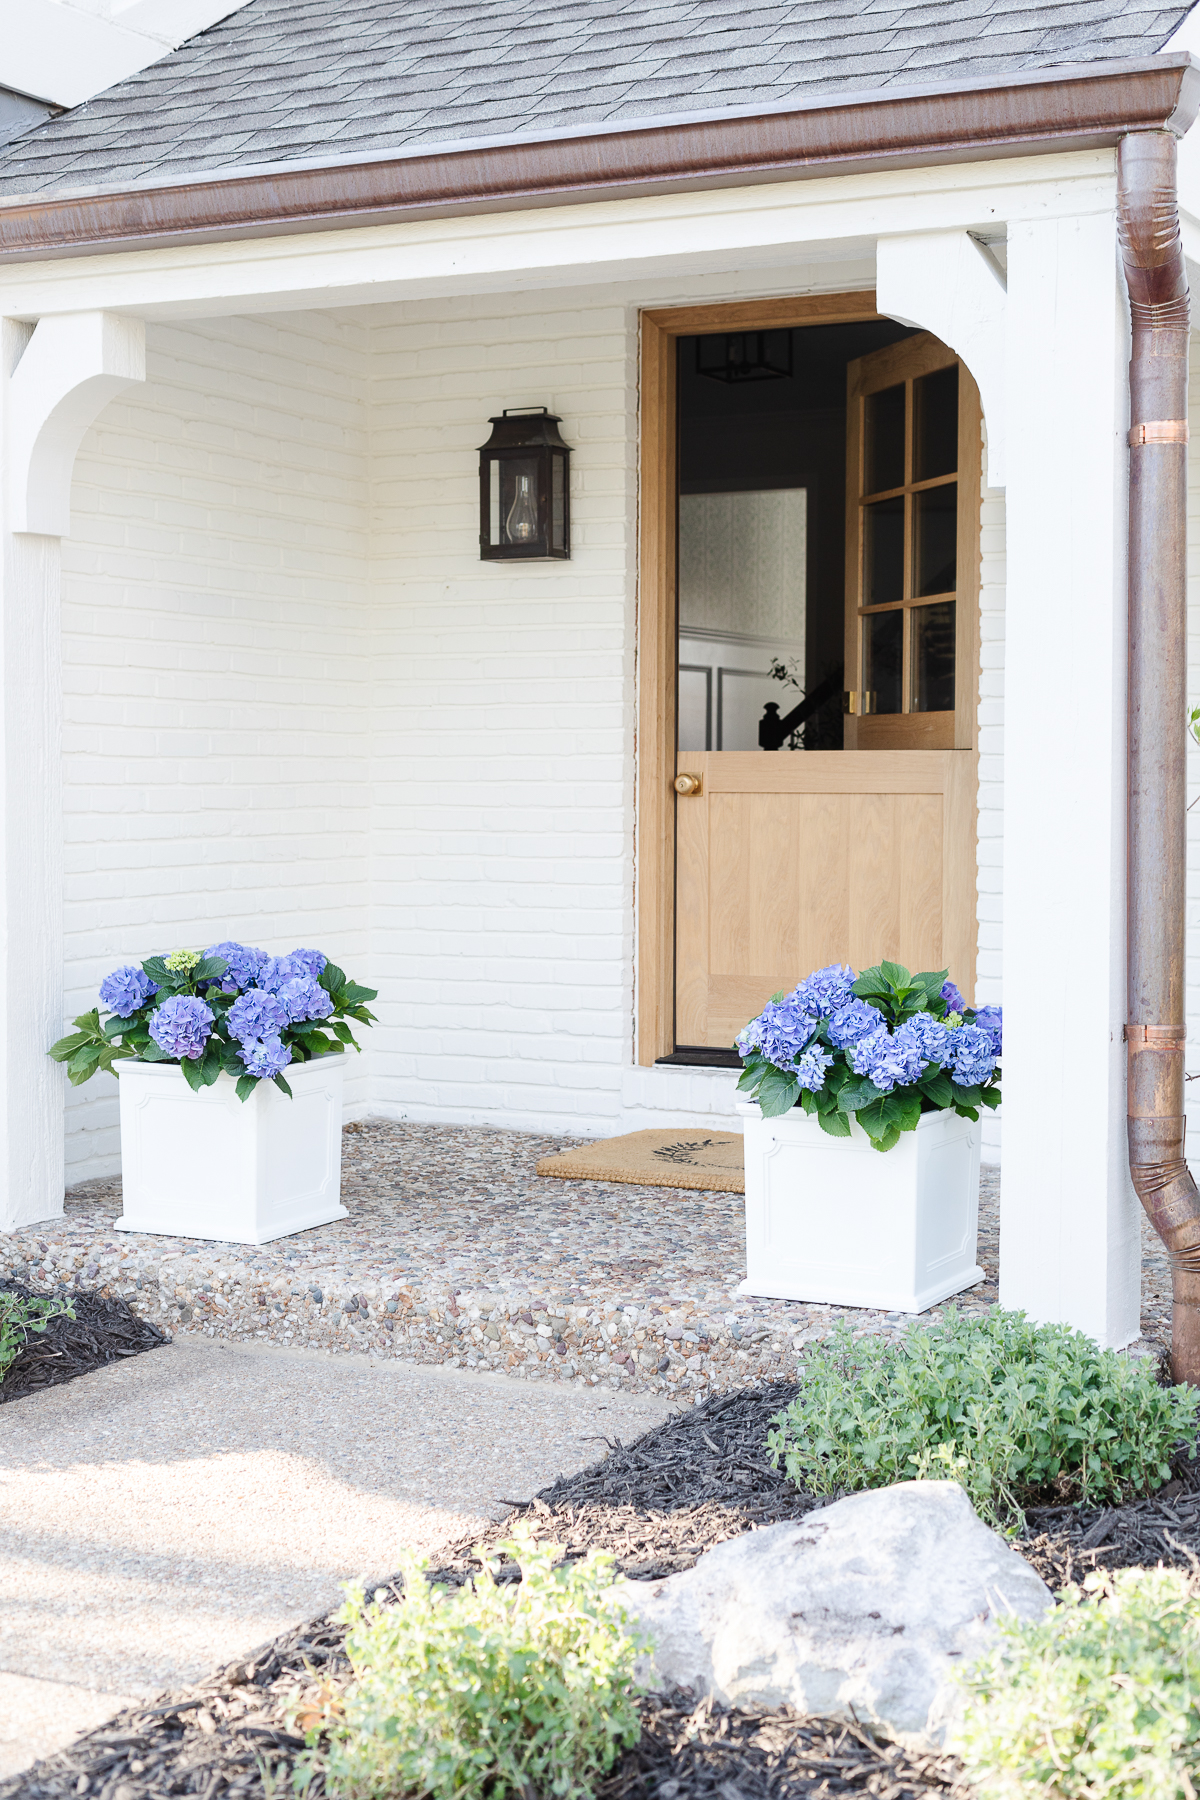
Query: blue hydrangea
{"points": [[303, 998], [311, 961], [257, 1014], [811, 1067], [125, 990], [888, 1059], [245, 965], [826, 991], [265, 1057], [991, 1020], [278, 969], [181, 1026], [781, 1031], [933, 1037], [954, 1000], [852, 1022], [972, 1057]]}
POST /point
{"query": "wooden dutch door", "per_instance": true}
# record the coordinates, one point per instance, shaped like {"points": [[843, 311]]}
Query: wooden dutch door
{"points": [[809, 659]]}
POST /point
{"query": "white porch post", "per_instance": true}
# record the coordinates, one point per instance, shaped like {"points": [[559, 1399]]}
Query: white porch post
{"points": [[53, 383], [1069, 1244]]}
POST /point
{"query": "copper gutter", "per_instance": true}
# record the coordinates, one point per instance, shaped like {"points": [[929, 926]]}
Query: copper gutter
{"points": [[1067, 108], [1156, 848]]}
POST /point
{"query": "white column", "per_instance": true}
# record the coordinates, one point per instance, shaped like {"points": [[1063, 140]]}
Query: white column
{"points": [[53, 383], [1069, 1243]]}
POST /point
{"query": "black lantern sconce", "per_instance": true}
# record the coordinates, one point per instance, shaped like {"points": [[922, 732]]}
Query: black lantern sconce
{"points": [[524, 488], [736, 356]]}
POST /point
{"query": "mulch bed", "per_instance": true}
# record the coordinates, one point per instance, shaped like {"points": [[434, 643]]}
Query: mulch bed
{"points": [[657, 1504], [102, 1331]]}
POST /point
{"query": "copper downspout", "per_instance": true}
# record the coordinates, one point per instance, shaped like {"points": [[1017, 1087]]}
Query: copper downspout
{"points": [[1158, 388]]}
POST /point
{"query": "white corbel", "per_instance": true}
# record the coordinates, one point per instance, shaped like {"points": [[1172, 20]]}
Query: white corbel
{"points": [[71, 368], [946, 283]]}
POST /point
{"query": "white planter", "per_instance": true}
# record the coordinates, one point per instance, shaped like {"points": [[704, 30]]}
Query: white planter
{"points": [[834, 1220], [208, 1165]]}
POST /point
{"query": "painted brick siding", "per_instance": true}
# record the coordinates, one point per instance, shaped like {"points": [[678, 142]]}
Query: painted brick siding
{"points": [[214, 646], [503, 701]]}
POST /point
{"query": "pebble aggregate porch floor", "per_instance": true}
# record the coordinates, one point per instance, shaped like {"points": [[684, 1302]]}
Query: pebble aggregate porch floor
{"points": [[457, 1252]]}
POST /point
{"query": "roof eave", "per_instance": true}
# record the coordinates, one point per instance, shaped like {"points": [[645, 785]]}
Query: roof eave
{"points": [[1076, 107]]}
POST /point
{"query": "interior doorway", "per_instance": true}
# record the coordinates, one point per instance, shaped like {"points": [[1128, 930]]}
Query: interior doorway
{"points": [[810, 553]]}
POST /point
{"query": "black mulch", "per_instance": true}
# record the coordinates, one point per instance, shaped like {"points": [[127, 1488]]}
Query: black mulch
{"points": [[1065, 1543], [704, 1752], [656, 1504], [102, 1331]]}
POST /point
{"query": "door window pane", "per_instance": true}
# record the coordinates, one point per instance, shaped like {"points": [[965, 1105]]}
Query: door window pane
{"points": [[935, 424], [935, 540], [883, 659], [933, 657], [883, 552], [695, 707], [883, 425]]}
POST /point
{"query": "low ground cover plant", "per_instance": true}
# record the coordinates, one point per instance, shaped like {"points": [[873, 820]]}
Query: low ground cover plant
{"points": [[1013, 1411], [1098, 1699], [518, 1688], [19, 1315], [230, 1009], [882, 1047]]}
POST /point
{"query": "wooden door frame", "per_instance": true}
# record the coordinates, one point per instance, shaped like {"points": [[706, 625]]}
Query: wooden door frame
{"points": [[654, 881]]}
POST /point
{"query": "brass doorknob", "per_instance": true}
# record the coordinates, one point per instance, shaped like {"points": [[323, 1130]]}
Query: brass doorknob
{"points": [[688, 784]]}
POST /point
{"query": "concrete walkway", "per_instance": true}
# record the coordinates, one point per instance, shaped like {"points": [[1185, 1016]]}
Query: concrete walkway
{"points": [[165, 1515]]}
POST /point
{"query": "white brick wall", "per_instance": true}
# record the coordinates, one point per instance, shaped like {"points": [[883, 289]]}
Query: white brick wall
{"points": [[214, 623], [299, 708], [504, 721]]}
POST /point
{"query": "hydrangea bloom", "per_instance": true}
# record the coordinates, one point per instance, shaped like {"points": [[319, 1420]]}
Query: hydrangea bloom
{"points": [[781, 1031], [256, 1014], [265, 1057], [852, 1022], [312, 962], [954, 1000], [244, 965], [991, 1020], [303, 998], [125, 990], [971, 1053], [888, 1059], [278, 969], [181, 1026], [933, 1036], [182, 962], [825, 992], [811, 1067]]}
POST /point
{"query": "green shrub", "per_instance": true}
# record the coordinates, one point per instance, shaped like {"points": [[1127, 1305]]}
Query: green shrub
{"points": [[1100, 1700], [19, 1315], [1013, 1411], [517, 1689]]}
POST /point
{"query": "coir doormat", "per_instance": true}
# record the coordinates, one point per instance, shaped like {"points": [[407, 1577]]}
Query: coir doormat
{"points": [[711, 1160]]}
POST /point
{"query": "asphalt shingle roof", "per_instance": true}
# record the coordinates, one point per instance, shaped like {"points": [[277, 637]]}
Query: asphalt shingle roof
{"points": [[286, 80]]}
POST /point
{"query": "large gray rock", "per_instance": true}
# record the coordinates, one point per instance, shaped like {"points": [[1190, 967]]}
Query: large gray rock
{"points": [[863, 1608]]}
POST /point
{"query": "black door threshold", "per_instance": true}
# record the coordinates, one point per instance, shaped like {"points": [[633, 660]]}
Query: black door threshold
{"points": [[697, 1056]]}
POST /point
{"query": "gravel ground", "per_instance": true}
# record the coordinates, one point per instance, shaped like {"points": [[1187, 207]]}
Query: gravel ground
{"points": [[457, 1252], [170, 1512]]}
